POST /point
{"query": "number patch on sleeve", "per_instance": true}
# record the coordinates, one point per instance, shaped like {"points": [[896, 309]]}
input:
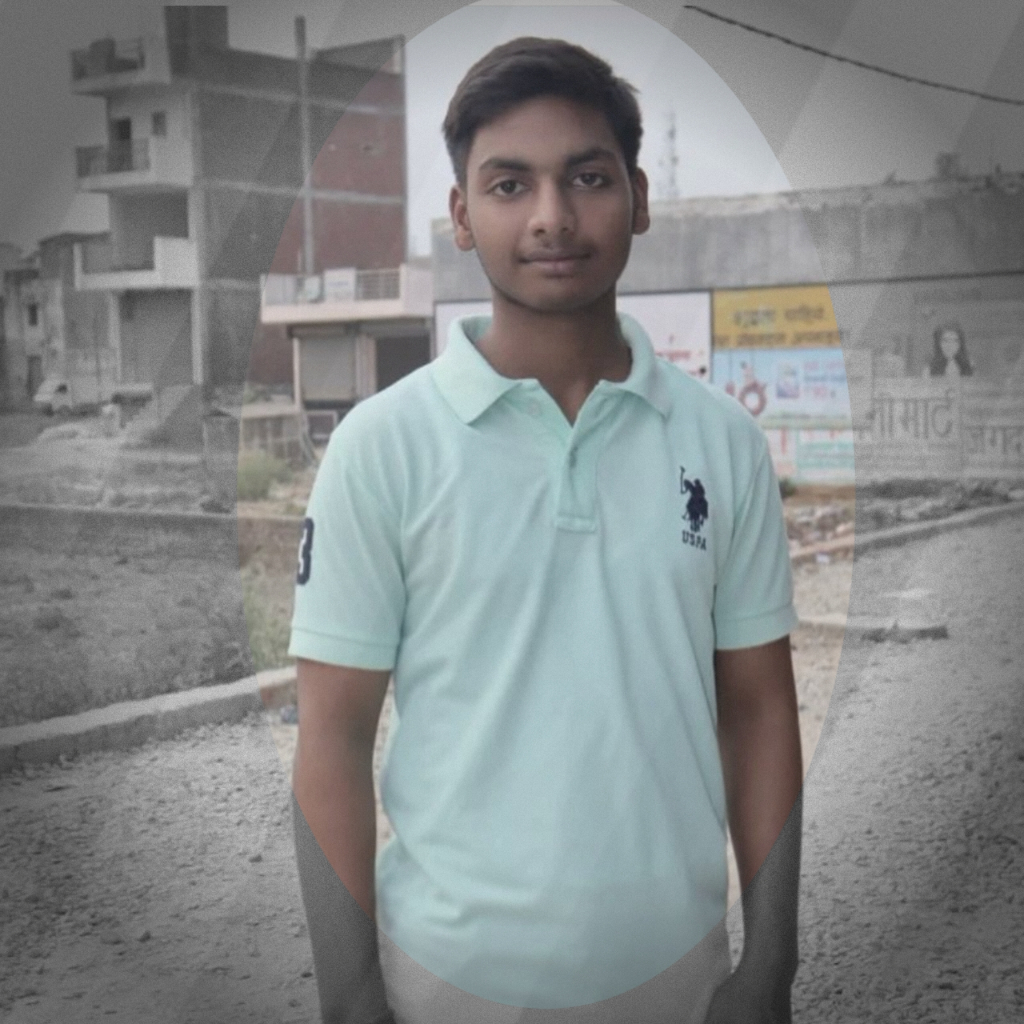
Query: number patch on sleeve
{"points": [[305, 551]]}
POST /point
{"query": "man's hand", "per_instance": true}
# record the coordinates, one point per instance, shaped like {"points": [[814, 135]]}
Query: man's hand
{"points": [[335, 836], [759, 739], [333, 775], [743, 999]]}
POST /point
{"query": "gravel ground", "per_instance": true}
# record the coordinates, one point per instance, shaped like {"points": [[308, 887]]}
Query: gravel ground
{"points": [[158, 883], [155, 885], [913, 882]]}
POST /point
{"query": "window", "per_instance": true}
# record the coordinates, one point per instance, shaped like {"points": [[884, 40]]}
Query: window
{"points": [[159, 122], [32, 314]]}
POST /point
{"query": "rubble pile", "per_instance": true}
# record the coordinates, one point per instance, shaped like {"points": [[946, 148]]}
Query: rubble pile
{"points": [[896, 502]]}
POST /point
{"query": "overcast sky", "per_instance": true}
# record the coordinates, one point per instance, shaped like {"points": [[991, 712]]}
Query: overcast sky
{"points": [[751, 114]]}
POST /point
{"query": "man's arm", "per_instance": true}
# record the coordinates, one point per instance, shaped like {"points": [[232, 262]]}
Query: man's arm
{"points": [[335, 835], [759, 740]]}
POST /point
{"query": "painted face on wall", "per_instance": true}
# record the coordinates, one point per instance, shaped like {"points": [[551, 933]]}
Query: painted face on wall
{"points": [[949, 343], [549, 205]]}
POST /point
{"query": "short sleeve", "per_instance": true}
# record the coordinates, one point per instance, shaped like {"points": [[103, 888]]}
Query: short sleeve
{"points": [[350, 592], [754, 595]]}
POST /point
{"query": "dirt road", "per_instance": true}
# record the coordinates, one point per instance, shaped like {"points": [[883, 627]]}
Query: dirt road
{"points": [[158, 884]]}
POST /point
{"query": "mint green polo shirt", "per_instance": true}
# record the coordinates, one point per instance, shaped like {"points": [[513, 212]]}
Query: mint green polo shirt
{"points": [[549, 597]]}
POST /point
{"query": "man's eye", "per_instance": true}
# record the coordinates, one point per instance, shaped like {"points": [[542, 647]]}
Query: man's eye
{"points": [[591, 179], [507, 187]]}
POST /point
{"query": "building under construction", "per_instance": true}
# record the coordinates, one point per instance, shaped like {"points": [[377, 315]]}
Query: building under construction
{"points": [[205, 166]]}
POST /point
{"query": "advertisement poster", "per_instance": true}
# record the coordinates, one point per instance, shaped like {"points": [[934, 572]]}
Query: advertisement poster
{"points": [[792, 317], [812, 456], [678, 324], [787, 387]]}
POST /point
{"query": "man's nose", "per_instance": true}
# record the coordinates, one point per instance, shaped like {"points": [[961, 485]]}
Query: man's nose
{"points": [[553, 213]]}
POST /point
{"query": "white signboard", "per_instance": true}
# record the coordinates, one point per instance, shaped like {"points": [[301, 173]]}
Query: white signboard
{"points": [[340, 284], [678, 324], [446, 313]]}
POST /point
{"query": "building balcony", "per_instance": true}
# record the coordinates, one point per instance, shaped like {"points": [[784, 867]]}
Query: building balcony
{"points": [[141, 165], [347, 295], [174, 265], [110, 64]]}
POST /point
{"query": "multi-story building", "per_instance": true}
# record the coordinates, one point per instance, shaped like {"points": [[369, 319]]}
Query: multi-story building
{"points": [[352, 333], [204, 165], [51, 331]]}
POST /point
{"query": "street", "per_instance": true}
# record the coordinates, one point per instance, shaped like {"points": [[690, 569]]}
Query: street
{"points": [[913, 879]]}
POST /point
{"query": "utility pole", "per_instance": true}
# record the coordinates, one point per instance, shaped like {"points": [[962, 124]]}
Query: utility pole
{"points": [[307, 162]]}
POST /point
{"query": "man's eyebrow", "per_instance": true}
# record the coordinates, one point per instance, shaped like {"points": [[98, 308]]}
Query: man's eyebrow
{"points": [[594, 153], [504, 163], [507, 163]]}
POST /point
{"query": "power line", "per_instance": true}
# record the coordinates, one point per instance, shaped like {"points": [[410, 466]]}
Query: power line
{"points": [[856, 63]]}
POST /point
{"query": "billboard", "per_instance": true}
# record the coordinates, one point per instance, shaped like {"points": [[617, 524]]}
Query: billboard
{"points": [[790, 317], [787, 387]]}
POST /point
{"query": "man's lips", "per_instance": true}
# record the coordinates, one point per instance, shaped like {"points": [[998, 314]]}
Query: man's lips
{"points": [[557, 261], [556, 256]]}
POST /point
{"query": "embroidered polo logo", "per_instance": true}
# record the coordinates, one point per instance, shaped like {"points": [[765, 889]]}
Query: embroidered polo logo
{"points": [[305, 552], [696, 513]]}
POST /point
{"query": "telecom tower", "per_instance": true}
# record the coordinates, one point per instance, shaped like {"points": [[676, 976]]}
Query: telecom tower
{"points": [[668, 187]]}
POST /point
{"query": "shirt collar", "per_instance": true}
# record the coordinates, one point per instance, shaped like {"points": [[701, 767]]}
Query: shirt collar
{"points": [[470, 385]]}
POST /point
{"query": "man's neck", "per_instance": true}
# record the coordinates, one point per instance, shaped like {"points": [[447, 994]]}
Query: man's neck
{"points": [[567, 353]]}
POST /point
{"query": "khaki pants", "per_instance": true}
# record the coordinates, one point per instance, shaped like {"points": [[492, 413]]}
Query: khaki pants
{"points": [[679, 995]]}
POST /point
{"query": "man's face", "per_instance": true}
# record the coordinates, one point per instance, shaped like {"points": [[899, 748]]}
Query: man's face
{"points": [[549, 205]]}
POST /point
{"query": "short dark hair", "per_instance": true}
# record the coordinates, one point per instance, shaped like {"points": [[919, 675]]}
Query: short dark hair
{"points": [[529, 67]]}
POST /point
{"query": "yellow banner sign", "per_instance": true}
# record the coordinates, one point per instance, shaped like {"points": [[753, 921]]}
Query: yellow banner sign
{"points": [[794, 317]]}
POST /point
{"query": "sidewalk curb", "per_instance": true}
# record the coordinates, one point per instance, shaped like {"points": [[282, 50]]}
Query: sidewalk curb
{"points": [[894, 536], [131, 723]]}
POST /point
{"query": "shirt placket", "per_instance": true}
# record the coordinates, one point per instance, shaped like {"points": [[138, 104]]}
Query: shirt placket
{"points": [[573, 449]]}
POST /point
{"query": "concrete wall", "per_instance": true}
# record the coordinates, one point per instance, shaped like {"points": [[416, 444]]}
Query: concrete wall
{"points": [[883, 232], [156, 337], [898, 319], [14, 371], [233, 318], [136, 219], [81, 317], [249, 138], [328, 78], [874, 233]]}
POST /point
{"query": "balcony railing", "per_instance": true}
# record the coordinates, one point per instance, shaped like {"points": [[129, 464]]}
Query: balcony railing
{"points": [[332, 286], [170, 263], [142, 163], [113, 159], [106, 57], [348, 294]]}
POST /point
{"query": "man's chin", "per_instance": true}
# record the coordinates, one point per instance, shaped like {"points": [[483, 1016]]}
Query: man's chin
{"points": [[551, 305]]}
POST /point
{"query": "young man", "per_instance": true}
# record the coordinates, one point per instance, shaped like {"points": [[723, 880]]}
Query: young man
{"points": [[572, 559]]}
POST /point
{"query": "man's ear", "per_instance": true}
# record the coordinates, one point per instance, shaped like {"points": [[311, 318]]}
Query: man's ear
{"points": [[641, 213], [460, 218]]}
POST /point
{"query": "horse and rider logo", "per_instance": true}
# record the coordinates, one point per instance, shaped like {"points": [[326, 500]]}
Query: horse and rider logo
{"points": [[696, 513]]}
